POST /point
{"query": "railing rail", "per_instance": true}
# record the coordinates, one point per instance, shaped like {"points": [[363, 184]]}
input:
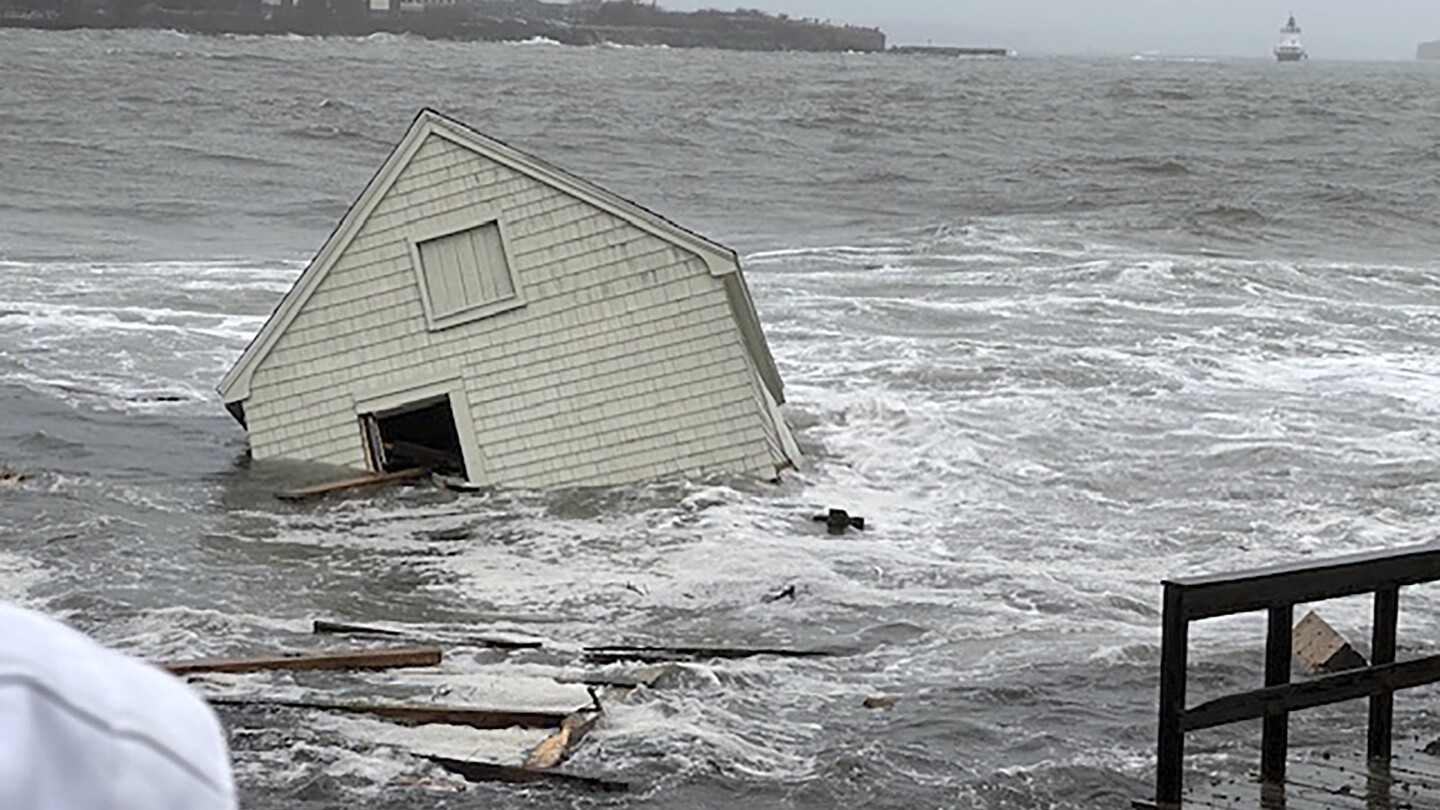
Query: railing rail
{"points": [[1277, 590]]}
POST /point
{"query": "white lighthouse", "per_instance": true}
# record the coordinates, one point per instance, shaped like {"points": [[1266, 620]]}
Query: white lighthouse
{"points": [[1290, 49]]}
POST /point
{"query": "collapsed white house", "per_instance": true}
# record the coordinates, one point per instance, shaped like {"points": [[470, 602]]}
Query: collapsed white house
{"points": [[482, 311]]}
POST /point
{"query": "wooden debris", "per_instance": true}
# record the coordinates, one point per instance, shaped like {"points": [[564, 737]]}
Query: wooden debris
{"points": [[880, 702], [11, 478], [617, 653], [346, 659], [1320, 649], [416, 715], [350, 483], [556, 748], [322, 626], [490, 772]]}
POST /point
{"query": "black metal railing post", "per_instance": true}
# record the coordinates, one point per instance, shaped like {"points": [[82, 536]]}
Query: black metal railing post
{"points": [[1382, 651], [1274, 739], [1174, 651]]}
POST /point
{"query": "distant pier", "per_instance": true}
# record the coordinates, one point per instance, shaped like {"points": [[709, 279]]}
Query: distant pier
{"points": [[940, 50]]}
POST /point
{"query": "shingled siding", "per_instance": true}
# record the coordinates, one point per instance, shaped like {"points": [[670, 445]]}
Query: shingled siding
{"points": [[625, 362]]}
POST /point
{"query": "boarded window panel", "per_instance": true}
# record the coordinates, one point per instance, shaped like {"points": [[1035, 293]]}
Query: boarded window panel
{"points": [[442, 275], [465, 270], [483, 280], [454, 271], [465, 255], [490, 255]]}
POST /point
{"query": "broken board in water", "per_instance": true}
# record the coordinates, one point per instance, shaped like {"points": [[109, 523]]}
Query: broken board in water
{"points": [[317, 490], [334, 659]]}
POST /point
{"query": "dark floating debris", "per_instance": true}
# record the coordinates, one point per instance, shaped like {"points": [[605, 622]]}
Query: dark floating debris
{"points": [[392, 658], [657, 654], [838, 520], [445, 535], [351, 483], [321, 626], [880, 702], [414, 715], [474, 771], [788, 592]]}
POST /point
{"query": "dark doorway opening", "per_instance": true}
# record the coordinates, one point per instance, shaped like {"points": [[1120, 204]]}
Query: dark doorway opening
{"points": [[421, 434]]}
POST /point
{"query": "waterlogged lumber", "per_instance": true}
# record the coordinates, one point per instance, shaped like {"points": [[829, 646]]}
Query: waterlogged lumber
{"points": [[392, 658], [322, 626], [317, 490], [610, 654], [474, 771], [556, 748], [416, 715]]}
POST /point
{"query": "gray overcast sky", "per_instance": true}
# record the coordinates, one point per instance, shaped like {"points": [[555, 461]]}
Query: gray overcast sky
{"points": [[1345, 29]]}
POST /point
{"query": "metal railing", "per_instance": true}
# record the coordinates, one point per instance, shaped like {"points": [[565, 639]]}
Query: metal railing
{"points": [[1277, 590]]}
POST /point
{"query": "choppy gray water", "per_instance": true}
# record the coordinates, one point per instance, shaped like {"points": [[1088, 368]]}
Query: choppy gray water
{"points": [[1057, 328]]}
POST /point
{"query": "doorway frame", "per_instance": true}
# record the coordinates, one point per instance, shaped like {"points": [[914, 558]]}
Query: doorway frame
{"points": [[382, 402]]}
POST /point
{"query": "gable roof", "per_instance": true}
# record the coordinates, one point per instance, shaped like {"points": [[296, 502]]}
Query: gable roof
{"points": [[721, 261]]}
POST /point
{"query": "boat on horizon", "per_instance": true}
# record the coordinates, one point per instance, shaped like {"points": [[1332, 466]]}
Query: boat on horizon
{"points": [[1290, 49]]}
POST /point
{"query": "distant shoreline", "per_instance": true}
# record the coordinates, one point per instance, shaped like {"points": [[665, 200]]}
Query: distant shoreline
{"points": [[615, 23]]}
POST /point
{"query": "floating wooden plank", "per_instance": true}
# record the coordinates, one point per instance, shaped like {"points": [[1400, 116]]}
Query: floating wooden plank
{"points": [[416, 715], [659, 654], [392, 658], [322, 626], [556, 748], [350, 483], [490, 772]]}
